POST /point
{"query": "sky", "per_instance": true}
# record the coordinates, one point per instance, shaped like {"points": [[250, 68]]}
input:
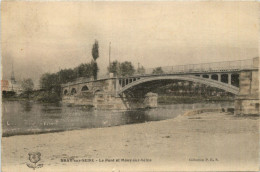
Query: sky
{"points": [[40, 37]]}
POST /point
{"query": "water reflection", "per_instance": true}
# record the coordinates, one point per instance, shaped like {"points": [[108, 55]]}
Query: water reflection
{"points": [[135, 116], [27, 106], [31, 117]]}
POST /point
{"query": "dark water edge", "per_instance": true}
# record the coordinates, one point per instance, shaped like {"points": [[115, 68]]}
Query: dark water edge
{"points": [[30, 117], [162, 99], [190, 100], [58, 131], [34, 133], [64, 130]]}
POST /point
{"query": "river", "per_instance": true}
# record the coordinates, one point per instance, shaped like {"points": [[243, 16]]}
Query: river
{"points": [[27, 117]]}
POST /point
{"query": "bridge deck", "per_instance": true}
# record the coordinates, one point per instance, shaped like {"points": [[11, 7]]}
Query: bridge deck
{"points": [[190, 69]]}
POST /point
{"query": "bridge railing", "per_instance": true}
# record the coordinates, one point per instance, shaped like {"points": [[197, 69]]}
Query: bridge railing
{"points": [[189, 68], [104, 76], [204, 67]]}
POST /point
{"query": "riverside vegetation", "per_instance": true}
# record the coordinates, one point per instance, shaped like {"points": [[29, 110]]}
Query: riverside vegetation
{"points": [[176, 92]]}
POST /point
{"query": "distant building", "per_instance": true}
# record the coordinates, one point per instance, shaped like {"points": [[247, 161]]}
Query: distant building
{"points": [[4, 85], [11, 85]]}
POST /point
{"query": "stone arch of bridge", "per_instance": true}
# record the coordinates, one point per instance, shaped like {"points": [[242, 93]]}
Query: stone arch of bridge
{"points": [[84, 88], [73, 91], [97, 91], [206, 81], [65, 92]]}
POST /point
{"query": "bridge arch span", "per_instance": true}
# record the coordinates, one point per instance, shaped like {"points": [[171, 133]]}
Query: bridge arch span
{"points": [[65, 92], [84, 88], [210, 82], [73, 91]]}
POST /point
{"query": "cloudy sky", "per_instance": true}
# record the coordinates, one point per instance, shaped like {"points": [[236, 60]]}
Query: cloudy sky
{"points": [[39, 37]]}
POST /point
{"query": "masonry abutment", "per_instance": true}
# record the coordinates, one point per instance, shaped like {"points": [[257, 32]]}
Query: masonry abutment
{"points": [[247, 101], [111, 92]]}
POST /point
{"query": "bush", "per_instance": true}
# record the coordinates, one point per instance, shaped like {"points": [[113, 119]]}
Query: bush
{"points": [[50, 97]]}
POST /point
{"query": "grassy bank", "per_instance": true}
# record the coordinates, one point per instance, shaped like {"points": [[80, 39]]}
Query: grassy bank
{"points": [[40, 96], [52, 97], [14, 99], [168, 143], [164, 99]]}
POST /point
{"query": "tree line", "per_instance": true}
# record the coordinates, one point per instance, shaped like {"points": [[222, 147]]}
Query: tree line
{"points": [[127, 69], [51, 82]]}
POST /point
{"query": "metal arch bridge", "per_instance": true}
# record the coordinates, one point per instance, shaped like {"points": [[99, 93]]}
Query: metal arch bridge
{"points": [[210, 82], [208, 73]]}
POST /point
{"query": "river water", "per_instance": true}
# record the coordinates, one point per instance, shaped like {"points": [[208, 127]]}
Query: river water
{"points": [[25, 117]]}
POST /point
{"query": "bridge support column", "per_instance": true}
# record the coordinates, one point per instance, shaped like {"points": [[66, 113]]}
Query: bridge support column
{"points": [[247, 102], [117, 87], [219, 77], [229, 79], [150, 100], [123, 82]]}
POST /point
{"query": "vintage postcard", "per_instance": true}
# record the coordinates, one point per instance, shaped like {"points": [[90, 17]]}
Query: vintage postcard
{"points": [[122, 86]]}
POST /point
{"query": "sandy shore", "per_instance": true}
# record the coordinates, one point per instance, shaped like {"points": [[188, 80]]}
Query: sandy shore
{"points": [[207, 141]]}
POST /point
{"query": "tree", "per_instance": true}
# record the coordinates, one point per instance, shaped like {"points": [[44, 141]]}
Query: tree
{"points": [[94, 69], [49, 81], [84, 70], [121, 69], [27, 85], [141, 70], [95, 55], [157, 71], [66, 75], [127, 69], [114, 68]]}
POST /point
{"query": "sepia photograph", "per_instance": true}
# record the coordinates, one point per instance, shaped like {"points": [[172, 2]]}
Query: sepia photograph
{"points": [[125, 86]]}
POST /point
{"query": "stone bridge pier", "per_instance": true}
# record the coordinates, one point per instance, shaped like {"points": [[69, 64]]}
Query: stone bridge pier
{"points": [[247, 101], [102, 95], [240, 78], [123, 102]]}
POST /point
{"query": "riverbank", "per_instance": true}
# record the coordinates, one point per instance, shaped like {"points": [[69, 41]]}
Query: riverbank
{"points": [[50, 97], [36, 95], [206, 141], [164, 99]]}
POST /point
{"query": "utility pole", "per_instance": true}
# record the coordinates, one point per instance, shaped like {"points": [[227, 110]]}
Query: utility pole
{"points": [[59, 73], [109, 55]]}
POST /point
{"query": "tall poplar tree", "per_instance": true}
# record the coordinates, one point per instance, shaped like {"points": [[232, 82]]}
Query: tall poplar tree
{"points": [[95, 55]]}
